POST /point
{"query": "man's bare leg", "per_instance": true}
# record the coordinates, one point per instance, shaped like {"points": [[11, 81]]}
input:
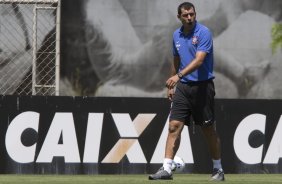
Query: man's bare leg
{"points": [[213, 142]]}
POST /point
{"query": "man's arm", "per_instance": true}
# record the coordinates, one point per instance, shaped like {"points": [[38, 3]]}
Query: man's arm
{"points": [[196, 63], [174, 70], [175, 65]]}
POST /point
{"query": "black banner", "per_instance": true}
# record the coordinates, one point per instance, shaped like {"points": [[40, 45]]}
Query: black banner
{"points": [[90, 135]]}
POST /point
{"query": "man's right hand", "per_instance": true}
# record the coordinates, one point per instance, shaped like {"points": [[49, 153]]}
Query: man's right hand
{"points": [[172, 81], [170, 93]]}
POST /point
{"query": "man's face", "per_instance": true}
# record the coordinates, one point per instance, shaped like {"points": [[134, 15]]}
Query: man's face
{"points": [[187, 17]]}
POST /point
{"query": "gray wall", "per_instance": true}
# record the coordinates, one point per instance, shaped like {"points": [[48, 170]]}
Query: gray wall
{"points": [[123, 47]]}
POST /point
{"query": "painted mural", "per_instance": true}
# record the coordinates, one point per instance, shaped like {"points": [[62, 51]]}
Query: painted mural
{"points": [[123, 47]]}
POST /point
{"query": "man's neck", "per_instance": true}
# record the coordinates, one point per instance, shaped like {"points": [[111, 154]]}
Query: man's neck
{"points": [[187, 29]]}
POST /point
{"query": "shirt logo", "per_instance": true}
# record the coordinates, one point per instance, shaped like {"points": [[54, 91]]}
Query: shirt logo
{"points": [[195, 40], [177, 45]]}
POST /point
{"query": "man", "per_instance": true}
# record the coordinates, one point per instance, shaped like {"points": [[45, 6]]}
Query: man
{"points": [[193, 97]]}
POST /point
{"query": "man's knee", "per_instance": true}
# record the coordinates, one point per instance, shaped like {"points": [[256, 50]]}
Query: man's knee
{"points": [[175, 126]]}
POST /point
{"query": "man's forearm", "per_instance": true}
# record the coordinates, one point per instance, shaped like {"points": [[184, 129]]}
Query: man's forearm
{"points": [[191, 67], [175, 66], [195, 64]]}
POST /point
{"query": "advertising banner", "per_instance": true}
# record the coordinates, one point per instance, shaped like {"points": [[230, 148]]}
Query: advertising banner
{"points": [[95, 135]]}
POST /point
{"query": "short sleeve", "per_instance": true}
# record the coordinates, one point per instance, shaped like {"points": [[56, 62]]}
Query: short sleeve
{"points": [[205, 41], [174, 50]]}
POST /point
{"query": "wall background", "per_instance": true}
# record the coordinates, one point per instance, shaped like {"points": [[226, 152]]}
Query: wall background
{"points": [[123, 47]]}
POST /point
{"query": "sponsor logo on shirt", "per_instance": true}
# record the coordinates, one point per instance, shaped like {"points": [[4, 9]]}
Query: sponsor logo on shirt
{"points": [[177, 45], [195, 40]]}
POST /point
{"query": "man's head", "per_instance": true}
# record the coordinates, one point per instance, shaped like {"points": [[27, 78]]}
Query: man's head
{"points": [[187, 13]]}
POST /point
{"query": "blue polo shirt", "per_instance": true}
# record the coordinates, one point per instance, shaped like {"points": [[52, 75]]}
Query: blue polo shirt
{"points": [[186, 47]]}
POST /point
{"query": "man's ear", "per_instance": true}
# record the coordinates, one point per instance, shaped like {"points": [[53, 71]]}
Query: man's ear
{"points": [[178, 16]]}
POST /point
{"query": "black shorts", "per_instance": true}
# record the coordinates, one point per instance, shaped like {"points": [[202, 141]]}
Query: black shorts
{"points": [[194, 101]]}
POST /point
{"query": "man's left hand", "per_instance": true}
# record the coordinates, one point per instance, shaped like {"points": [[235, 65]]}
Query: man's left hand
{"points": [[172, 81]]}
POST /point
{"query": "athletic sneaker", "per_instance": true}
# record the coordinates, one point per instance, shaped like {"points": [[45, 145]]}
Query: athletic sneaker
{"points": [[161, 174], [217, 175]]}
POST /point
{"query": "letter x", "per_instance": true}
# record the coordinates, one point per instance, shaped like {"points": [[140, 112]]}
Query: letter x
{"points": [[128, 144]]}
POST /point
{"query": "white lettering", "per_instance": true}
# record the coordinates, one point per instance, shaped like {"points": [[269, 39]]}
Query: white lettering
{"points": [[131, 131], [274, 152], [16, 150], [62, 124], [243, 150], [93, 138]]}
